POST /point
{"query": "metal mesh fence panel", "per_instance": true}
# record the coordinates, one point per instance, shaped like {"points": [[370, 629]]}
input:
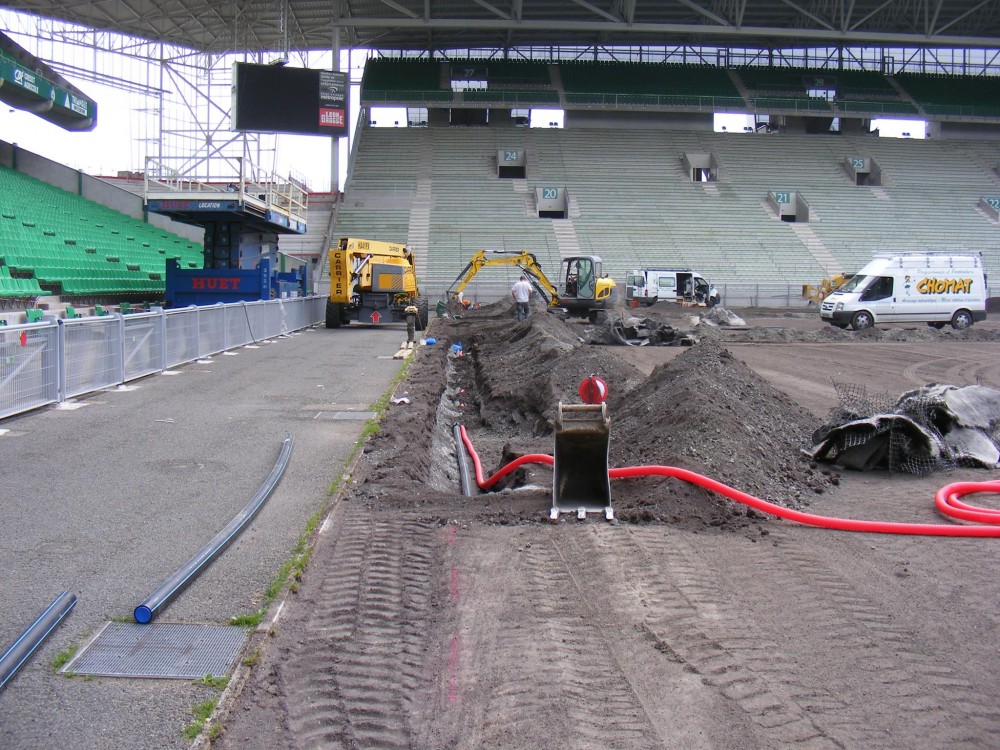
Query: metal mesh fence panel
{"points": [[92, 354], [259, 314], [182, 336], [29, 367], [143, 344], [43, 363], [212, 330], [237, 326], [291, 314]]}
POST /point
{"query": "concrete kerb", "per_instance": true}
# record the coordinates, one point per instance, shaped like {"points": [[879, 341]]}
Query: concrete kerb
{"points": [[264, 632]]}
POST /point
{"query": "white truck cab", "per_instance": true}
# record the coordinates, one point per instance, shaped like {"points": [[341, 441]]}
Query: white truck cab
{"points": [[648, 286], [932, 288]]}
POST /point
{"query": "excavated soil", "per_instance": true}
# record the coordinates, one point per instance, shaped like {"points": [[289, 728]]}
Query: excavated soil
{"points": [[430, 619]]}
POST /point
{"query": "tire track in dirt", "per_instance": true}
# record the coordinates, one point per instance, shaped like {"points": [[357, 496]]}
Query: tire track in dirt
{"points": [[956, 367], [927, 692], [547, 665], [361, 656], [690, 618]]}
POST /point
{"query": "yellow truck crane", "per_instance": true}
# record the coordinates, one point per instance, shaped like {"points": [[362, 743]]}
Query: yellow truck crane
{"points": [[583, 291], [372, 282]]}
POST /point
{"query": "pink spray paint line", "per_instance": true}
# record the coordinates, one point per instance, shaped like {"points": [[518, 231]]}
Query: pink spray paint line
{"points": [[453, 655], [454, 647]]}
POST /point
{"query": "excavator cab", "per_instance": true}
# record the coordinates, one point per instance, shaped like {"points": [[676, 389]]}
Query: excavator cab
{"points": [[584, 291], [579, 275]]}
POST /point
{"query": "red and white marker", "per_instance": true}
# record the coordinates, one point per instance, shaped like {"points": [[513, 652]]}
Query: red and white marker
{"points": [[593, 390]]}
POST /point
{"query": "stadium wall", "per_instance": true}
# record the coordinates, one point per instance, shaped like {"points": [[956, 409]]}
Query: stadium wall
{"points": [[91, 188], [962, 130]]}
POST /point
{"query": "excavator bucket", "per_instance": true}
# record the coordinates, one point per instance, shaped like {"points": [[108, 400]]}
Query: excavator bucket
{"points": [[580, 461]]}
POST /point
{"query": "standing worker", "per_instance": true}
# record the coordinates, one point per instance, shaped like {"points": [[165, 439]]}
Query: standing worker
{"points": [[521, 292]]}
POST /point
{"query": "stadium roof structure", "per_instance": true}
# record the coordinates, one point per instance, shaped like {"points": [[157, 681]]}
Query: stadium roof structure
{"points": [[268, 25]]}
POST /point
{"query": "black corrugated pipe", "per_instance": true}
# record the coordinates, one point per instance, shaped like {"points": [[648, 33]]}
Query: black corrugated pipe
{"points": [[32, 638], [159, 599], [463, 462]]}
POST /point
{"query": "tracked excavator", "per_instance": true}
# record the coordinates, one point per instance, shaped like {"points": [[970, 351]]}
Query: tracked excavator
{"points": [[582, 290]]}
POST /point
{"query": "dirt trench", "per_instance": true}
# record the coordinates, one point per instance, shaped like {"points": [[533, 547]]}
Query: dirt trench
{"points": [[428, 619]]}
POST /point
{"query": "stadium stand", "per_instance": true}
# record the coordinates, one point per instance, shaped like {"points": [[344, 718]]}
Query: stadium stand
{"points": [[949, 95], [618, 83], [854, 92], [53, 242], [388, 79], [632, 203]]}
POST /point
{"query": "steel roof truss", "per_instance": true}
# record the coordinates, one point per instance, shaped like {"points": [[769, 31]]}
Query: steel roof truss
{"points": [[597, 11], [871, 15], [492, 9], [401, 9], [969, 12], [719, 20], [811, 16]]}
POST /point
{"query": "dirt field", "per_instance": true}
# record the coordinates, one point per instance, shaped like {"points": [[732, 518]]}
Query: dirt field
{"points": [[428, 619]]}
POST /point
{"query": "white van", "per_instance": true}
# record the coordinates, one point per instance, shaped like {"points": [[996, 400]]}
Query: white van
{"points": [[932, 288], [648, 286]]}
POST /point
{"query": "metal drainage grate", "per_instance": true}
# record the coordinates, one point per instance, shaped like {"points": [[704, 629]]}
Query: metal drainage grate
{"points": [[169, 650]]}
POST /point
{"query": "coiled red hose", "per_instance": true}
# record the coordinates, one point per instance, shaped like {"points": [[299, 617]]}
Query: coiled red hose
{"points": [[946, 499]]}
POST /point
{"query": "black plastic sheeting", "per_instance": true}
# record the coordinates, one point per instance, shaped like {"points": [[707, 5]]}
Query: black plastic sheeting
{"points": [[930, 428]]}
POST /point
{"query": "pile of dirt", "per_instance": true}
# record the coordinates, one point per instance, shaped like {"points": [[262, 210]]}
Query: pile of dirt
{"points": [[503, 381], [708, 412]]}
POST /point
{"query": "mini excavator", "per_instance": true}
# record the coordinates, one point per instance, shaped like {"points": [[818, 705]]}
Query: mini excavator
{"points": [[582, 291]]}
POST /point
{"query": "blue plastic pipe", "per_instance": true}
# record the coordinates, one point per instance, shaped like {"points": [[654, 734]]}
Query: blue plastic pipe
{"points": [[159, 599], [15, 657]]}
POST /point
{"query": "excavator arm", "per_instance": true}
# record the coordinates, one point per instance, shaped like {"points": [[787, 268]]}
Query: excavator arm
{"points": [[522, 259]]}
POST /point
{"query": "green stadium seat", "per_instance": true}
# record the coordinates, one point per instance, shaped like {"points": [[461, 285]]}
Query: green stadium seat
{"points": [[49, 234]]}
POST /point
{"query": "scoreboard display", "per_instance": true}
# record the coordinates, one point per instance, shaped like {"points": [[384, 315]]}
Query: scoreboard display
{"points": [[278, 99]]}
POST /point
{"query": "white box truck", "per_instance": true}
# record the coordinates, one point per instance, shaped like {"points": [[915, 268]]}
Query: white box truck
{"points": [[647, 286], [932, 288]]}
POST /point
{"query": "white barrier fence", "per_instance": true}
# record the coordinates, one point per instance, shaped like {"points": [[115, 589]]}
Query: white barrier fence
{"points": [[778, 295], [54, 360]]}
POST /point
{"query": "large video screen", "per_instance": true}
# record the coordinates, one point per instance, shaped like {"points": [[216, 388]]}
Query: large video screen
{"points": [[279, 99]]}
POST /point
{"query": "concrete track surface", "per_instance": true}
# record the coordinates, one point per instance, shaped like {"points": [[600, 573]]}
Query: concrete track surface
{"points": [[108, 499]]}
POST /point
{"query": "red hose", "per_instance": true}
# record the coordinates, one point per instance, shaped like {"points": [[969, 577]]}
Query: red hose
{"points": [[485, 484], [946, 500]]}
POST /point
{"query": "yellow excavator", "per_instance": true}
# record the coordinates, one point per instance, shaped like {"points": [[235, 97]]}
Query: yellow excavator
{"points": [[583, 291], [814, 294]]}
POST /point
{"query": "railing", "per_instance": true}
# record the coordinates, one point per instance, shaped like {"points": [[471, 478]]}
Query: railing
{"points": [[262, 190], [55, 360]]}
